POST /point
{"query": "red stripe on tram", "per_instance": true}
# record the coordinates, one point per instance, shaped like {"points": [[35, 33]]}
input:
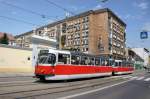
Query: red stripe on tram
{"points": [[72, 69], [123, 69]]}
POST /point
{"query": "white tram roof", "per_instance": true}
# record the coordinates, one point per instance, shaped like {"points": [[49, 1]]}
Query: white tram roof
{"points": [[58, 51], [118, 60]]}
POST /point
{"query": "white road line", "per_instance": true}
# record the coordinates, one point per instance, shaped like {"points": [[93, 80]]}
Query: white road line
{"points": [[126, 76], [87, 92], [147, 79], [16, 82], [140, 78], [133, 78]]}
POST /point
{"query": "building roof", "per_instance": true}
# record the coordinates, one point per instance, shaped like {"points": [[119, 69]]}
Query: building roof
{"points": [[75, 17], [30, 32], [15, 47], [10, 36]]}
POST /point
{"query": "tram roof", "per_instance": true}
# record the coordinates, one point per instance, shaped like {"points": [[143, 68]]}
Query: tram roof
{"points": [[82, 54], [59, 51]]}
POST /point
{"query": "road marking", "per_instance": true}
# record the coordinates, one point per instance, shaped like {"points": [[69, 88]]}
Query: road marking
{"points": [[140, 78], [127, 76], [133, 78], [148, 79], [16, 82], [87, 92]]}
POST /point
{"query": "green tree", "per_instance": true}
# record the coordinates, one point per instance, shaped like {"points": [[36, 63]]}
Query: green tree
{"points": [[4, 39], [63, 40]]}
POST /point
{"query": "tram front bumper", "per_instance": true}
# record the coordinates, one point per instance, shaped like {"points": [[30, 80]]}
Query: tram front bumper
{"points": [[42, 75]]}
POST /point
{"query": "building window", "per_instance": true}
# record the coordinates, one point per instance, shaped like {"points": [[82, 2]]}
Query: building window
{"points": [[85, 26], [85, 33], [64, 26], [86, 49], [101, 48], [77, 27], [85, 41], [40, 33], [85, 19]]}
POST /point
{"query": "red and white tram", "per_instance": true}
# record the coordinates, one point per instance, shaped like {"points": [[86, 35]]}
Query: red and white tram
{"points": [[122, 67], [65, 65]]}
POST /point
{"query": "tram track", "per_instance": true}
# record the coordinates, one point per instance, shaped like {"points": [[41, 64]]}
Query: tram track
{"points": [[17, 84], [52, 88]]}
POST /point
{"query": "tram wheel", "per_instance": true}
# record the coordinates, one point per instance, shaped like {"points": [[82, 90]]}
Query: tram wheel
{"points": [[42, 79], [113, 73]]}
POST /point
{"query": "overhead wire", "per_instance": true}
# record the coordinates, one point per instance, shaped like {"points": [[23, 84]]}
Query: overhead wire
{"points": [[32, 12], [18, 20], [29, 11], [52, 3]]}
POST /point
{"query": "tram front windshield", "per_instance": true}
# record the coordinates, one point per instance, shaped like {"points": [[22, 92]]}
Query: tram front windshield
{"points": [[47, 58]]}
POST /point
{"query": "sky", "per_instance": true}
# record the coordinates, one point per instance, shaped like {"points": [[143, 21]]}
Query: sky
{"points": [[31, 14]]}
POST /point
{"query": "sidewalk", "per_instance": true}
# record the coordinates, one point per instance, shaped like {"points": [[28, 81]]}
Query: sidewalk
{"points": [[5, 75]]}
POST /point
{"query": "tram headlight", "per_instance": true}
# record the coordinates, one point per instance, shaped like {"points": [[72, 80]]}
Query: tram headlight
{"points": [[42, 71]]}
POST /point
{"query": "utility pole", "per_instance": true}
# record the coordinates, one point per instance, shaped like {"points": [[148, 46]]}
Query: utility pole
{"points": [[143, 37]]}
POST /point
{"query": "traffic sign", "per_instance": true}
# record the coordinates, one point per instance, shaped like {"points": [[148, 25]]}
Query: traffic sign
{"points": [[144, 35]]}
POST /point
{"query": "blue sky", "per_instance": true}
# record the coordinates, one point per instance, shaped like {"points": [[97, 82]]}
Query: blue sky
{"points": [[135, 13]]}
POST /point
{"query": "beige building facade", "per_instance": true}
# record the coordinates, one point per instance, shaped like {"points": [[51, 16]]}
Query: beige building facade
{"points": [[15, 60], [98, 32]]}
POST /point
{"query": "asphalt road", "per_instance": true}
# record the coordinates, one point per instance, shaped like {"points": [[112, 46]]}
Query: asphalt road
{"points": [[16, 79], [136, 87]]}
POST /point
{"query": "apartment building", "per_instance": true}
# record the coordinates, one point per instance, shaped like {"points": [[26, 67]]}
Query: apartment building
{"points": [[133, 57], [98, 32], [144, 53]]}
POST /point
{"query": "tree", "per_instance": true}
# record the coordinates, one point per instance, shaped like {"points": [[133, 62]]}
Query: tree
{"points": [[4, 39], [63, 40]]}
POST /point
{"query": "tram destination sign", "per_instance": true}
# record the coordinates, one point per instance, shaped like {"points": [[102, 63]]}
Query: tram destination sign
{"points": [[43, 51]]}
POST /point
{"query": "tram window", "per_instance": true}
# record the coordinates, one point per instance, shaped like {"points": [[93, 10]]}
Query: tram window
{"points": [[97, 61], [124, 64], [111, 62], [63, 58], [93, 61], [47, 59], [89, 61], [51, 59], [83, 60], [116, 63], [103, 62], [120, 64], [42, 58], [75, 59], [106, 62]]}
